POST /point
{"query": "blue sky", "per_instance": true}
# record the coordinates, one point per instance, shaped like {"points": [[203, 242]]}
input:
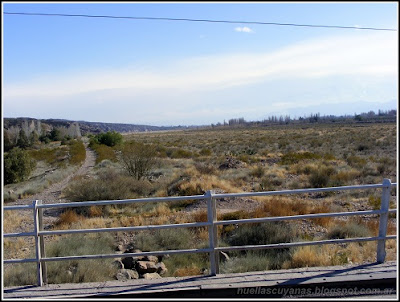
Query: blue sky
{"points": [[191, 73]]}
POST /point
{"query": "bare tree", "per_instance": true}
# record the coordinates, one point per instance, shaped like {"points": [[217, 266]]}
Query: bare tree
{"points": [[138, 159]]}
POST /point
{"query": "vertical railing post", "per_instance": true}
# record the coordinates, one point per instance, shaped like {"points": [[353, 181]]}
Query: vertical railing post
{"points": [[37, 243], [383, 221], [212, 232], [41, 240]]}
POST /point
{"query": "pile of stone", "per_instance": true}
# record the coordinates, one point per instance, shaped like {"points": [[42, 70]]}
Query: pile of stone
{"points": [[146, 267]]}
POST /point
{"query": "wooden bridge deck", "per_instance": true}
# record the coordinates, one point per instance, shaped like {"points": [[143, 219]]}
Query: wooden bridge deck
{"points": [[302, 281]]}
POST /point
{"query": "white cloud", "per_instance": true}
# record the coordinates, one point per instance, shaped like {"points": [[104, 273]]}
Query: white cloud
{"points": [[356, 57], [244, 29]]}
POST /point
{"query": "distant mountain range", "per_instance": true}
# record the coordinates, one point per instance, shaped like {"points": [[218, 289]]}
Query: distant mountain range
{"points": [[90, 127]]}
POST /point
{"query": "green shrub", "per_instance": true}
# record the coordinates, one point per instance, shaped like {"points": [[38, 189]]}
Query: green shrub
{"points": [[180, 153], [55, 134], [375, 202], [71, 271], [20, 274], [104, 152], [293, 157], [321, 176], [77, 152], [110, 138], [78, 271], [248, 263], [18, 165], [109, 186], [205, 152], [264, 233], [349, 230], [258, 172], [355, 161], [174, 239]]}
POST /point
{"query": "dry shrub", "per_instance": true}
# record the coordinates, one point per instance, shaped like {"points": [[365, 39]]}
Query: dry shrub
{"points": [[257, 172], [361, 252], [307, 256], [92, 223], [200, 216], [205, 168], [373, 226], [303, 168], [11, 220], [68, 217], [281, 207], [323, 221], [198, 185], [95, 211], [14, 248], [391, 250], [344, 177]]}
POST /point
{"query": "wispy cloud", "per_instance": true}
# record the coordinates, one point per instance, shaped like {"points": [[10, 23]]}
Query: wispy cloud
{"points": [[360, 57], [244, 29]]}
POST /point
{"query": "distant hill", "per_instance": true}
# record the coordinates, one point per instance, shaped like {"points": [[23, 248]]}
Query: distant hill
{"points": [[86, 127]]}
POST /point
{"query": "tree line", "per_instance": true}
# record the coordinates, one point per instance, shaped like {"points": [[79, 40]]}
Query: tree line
{"points": [[370, 116]]}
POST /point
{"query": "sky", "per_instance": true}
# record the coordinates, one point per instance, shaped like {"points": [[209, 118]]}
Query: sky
{"points": [[169, 73]]}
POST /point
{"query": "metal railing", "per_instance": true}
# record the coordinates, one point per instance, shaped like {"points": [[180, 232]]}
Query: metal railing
{"points": [[212, 224]]}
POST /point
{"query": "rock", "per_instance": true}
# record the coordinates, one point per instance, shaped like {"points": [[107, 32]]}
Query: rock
{"points": [[134, 274], [120, 247], [151, 258], [144, 267], [128, 262], [151, 276], [118, 264], [161, 268], [126, 274]]}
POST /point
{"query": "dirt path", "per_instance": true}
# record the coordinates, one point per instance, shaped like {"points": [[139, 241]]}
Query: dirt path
{"points": [[53, 193]]}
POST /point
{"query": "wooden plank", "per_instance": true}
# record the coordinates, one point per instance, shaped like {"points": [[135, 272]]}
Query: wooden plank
{"points": [[301, 276]]}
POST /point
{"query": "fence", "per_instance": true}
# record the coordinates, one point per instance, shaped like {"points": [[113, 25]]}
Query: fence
{"points": [[212, 225]]}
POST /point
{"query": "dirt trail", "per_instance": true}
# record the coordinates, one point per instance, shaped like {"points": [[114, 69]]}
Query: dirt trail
{"points": [[53, 193]]}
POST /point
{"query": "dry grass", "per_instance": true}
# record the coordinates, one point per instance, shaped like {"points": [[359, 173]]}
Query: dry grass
{"points": [[13, 219], [281, 206], [308, 256], [188, 271], [323, 221], [68, 217]]}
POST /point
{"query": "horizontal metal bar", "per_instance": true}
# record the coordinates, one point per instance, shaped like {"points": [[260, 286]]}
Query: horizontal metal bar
{"points": [[122, 201], [104, 256], [392, 211], [265, 219], [135, 228], [293, 244], [19, 234], [5, 261], [207, 250], [21, 207], [194, 197], [249, 194]]}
